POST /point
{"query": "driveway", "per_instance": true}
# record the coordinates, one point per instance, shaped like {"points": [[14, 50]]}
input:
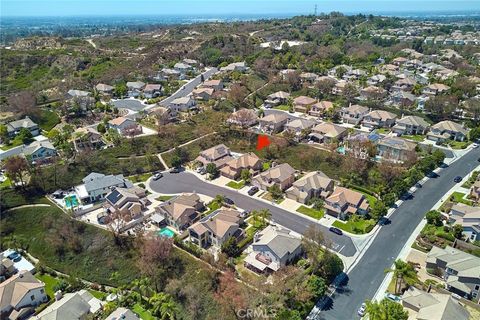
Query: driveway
{"points": [[131, 104], [187, 182]]}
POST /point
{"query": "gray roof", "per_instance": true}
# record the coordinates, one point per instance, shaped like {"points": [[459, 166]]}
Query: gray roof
{"points": [[78, 93], [135, 84], [280, 241], [414, 121], [313, 180], [72, 306], [26, 150], [95, 181], [122, 314], [19, 124]]}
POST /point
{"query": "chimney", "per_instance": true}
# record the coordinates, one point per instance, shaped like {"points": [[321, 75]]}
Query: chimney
{"points": [[58, 295]]}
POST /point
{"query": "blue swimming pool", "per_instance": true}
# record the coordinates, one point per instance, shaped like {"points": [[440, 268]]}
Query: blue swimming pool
{"points": [[70, 201], [341, 150], [166, 232]]}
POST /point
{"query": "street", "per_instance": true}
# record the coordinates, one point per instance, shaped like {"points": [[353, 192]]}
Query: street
{"points": [[187, 182], [365, 278]]}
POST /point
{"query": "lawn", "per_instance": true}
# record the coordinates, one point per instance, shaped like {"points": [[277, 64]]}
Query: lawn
{"points": [[164, 198], [382, 130], [468, 184], [360, 226], [142, 313], [98, 294], [11, 198], [458, 197], [457, 145], [140, 177], [6, 184], [268, 196], [47, 119], [212, 206], [316, 214], [282, 107], [236, 185], [50, 283], [417, 137]]}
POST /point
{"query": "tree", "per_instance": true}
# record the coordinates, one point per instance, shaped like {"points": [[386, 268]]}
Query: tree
{"points": [[237, 94], [378, 210], [403, 273], [3, 133], [317, 286], [23, 103], [457, 231], [245, 175], [176, 161], [324, 87], [434, 218], [116, 222], [385, 309], [312, 242], [276, 192], [120, 90], [474, 134], [16, 169], [25, 136], [230, 295], [230, 247], [101, 128], [163, 306], [350, 92], [441, 107], [264, 216], [154, 255], [212, 170]]}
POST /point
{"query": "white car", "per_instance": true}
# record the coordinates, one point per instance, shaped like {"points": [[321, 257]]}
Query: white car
{"points": [[361, 311], [474, 146]]}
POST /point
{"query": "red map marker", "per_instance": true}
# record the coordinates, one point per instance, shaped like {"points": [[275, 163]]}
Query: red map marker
{"points": [[262, 142]]}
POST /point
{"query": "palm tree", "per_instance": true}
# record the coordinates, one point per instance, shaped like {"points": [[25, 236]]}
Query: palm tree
{"points": [[374, 310], [220, 199], [265, 215], [163, 306], [168, 309], [403, 272]]}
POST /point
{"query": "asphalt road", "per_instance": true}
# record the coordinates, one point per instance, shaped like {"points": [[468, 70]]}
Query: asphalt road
{"points": [[189, 87], [365, 278], [187, 182]]}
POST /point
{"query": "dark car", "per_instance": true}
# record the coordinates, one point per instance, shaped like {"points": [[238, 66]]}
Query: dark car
{"points": [[383, 221], [457, 179], [228, 201], [175, 170], [336, 230], [252, 191], [478, 159], [15, 256]]}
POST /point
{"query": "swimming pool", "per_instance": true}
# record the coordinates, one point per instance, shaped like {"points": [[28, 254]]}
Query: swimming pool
{"points": [[70, 201], [166, 232], [341, 150]]}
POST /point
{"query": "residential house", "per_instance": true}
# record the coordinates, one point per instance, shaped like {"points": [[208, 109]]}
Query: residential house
{"points": [[403, 99], [339, 87], [14, 127], [218, 155], [181, 211], [303, 104], [216, 228], [182, 104], [20, 295], [435, 89], [320, 108], [390, 69], [354, 74], [236, 66], [423, 305], [72, 306], [286, 72], [244, 118], [411, 125], [314, 184], [399, 61], [460, 270], [169, 74], [299, 126], [274, 122], [87, 138], [182, 67], [216, 85], [344, 202], [446, 130], [135, 88], [7, 268], [405, 84], [248, 161], [276, 99], [122, 314], [72, 93], [469, 218], [475, 190], [308, 77], [373, 93], [162, 115], [104, 88], [353, 114], [379, 119], [326, 132], [395, 148], [282, 175], [375, 80], [152, 91], [97, 185], [203, 94], [127, 203], [273, 248], [125, 126], [37, 151], [334, 72]]}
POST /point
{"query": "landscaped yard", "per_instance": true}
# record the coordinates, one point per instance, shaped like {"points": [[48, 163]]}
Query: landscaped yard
{"points": [[268, 196], [212, 206], [282, 107], [311, 212], [455, 197], [142, 313], [140, 177], [458, 144], [468, 184], [358, 226], [50, 283], [6, 184], [164, 198], [98, 294], [417, 137], [236, 185], [47, 120]]}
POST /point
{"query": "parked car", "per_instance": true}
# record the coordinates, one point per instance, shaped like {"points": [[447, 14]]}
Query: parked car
{"points": [[229, 201], [175, 170], [157, 176], [15, 256], [336, 230], [202, 170], [252, 190], [475, 146], [457, 179], [393, 297], [361, 311]]}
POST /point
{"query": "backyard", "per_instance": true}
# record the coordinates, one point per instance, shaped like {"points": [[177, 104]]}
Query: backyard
{"points": [[356, 225]]}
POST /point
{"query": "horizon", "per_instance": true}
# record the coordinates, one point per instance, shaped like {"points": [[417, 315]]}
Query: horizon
{"points": [[212, 8]]}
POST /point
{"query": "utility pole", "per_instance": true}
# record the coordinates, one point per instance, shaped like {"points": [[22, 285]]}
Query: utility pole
{"points": [[315, 13]]}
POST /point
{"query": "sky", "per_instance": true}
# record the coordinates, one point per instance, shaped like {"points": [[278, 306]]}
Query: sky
{"points": [[64, 8]]}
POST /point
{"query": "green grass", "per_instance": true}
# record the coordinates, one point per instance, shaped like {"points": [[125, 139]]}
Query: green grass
{"points": [[140, 177], [417, 137], [212, 206], [142, 313], [50, 283], [11, 198], [457, 145], [47, 119], [459, 198], [382, 130], [316, 214], [265, 166], [361, 226], [236, 185], [5, 184], [98, 294], [268, 196], [164, 198], [469, 183], [282, 107]]}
